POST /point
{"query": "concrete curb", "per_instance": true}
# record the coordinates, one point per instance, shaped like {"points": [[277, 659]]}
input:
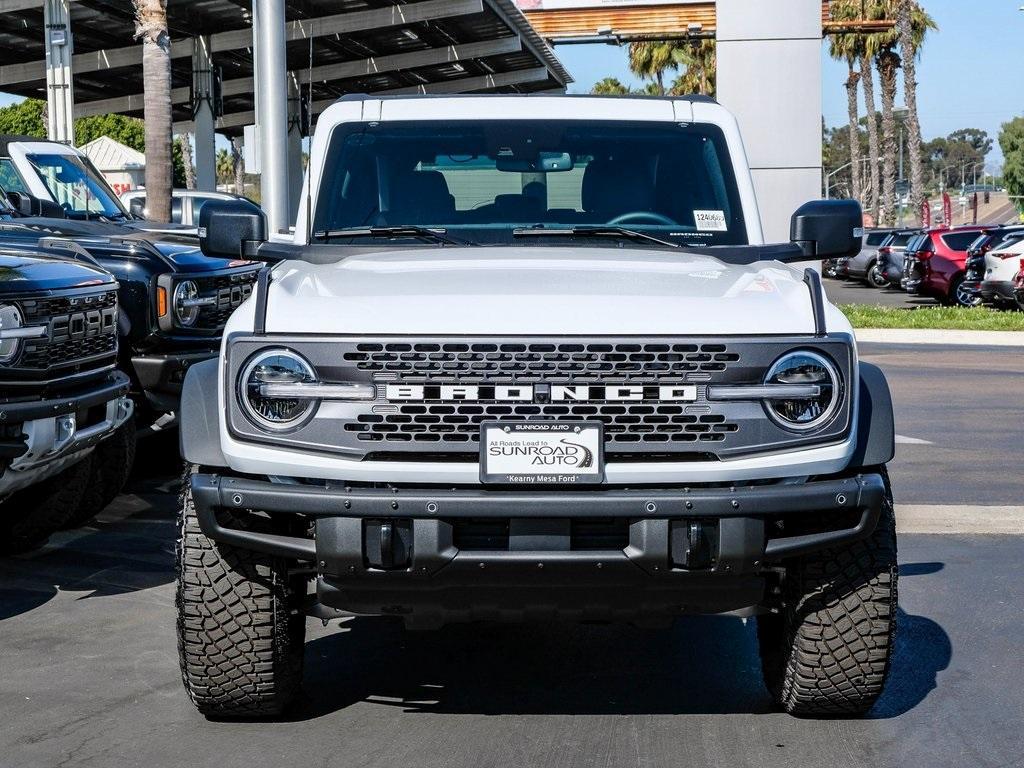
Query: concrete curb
{"points": [[960, 519], [947, 337]]}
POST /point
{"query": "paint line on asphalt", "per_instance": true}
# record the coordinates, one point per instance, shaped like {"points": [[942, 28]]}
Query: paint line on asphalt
{"points": [[904, 440], [961, 519], [940, 336]]}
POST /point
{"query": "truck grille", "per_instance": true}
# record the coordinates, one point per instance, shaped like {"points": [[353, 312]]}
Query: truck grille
{"points": [[526, 363], [623, 424], [428, 425], [230, 290], [82, 334]]}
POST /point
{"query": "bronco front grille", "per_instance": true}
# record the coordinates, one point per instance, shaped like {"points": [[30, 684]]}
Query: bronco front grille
{"points": [[526, 362], [81, 334], [230, 290], [624, 424], [431, 395]]}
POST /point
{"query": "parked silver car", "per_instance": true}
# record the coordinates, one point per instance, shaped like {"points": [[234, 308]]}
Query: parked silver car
{"points": [[864, 266]]}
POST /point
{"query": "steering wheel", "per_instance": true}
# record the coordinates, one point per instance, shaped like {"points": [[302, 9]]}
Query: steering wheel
{"points": [[642, 217]]}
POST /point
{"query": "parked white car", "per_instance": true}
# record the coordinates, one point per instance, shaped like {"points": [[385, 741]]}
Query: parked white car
{"points": [[1001, 267], [185, 203]]}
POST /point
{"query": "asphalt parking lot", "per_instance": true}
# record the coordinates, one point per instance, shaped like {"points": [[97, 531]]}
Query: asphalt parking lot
{"points": [[90, 677], [858, 292]]}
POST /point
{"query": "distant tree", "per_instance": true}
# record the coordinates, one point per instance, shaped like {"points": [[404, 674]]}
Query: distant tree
{"points": [[609, 86], [126, 130], [698, 61], [1011, 141], [26, 118], [184, 147]]}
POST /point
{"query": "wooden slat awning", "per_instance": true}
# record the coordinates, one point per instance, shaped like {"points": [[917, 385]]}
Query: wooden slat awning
{"points": [[653, 20]]}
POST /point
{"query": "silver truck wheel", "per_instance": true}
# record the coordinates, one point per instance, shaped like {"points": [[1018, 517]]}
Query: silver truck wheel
{"points": [[876, 278], [827, 651], [28, 517], [239, 645], [112, 463]]}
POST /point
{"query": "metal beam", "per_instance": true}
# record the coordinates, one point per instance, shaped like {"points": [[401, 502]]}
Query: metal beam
{"points": [[327, 72], [60, 92], [339, 24], [464, 84], [268, 36]]}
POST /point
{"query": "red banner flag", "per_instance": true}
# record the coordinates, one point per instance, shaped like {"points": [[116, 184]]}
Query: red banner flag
{"points": [[926, 214], [947, 210]]}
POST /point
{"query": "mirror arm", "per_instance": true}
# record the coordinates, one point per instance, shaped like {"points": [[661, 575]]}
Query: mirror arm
{"points": [[813, 281]]}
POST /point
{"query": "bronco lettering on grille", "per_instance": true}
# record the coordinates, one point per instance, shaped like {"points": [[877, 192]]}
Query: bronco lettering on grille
{"points": [[542, 393]]}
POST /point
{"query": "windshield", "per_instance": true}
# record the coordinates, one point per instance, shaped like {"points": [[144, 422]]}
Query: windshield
{"points": [[76, 185], [487, 179]]}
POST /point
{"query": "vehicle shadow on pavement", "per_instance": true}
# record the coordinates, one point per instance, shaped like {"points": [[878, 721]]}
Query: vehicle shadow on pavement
{"points": [[699, 665], [923, 649], [129, 547]]}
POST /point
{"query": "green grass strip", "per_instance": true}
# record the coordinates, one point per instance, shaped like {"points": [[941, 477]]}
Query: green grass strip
{"points": [[946, 318]]}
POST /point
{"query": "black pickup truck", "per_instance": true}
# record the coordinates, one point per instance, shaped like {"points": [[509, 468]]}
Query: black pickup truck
{"points": [[174, 299], [65, 414]]}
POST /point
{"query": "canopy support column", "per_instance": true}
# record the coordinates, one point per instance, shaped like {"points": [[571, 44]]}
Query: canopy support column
{"points": [[270, 59], [203, 115], [60, 92]]}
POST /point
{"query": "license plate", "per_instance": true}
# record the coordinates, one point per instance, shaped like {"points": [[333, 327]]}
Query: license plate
{"points": [[542, 453]]}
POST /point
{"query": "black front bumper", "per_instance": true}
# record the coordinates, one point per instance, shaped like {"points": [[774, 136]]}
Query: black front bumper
{"points": [[161, 376], [743, 529]]}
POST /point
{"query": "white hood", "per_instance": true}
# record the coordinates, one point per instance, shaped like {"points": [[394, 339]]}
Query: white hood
{"points": [[538, 291]]}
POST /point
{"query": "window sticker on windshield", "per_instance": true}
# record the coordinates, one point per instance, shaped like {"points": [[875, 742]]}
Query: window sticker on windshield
{"points": [[710, 221]]}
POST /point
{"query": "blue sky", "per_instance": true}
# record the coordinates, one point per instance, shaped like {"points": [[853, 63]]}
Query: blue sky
{"points": [[970, 70], [969, 74]]}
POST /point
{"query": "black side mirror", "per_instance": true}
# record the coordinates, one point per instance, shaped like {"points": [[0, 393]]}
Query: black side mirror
{"points": [[137, 207], [828, 229], [27, 205], [231, 229]]}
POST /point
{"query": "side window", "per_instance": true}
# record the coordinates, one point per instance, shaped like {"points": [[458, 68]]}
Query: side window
{"points": [[10, 181], [959, 241], [876, 238]]}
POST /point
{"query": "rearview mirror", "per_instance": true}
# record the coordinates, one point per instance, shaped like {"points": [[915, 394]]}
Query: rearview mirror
{"points": [[231, 229], [827, 229]]}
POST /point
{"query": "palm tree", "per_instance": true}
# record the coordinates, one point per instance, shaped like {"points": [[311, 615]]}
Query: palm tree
{"points": [[185, 147], [609, 86], [237, 166], [651, 60], [151, 27], [699, 62], [225, 167], [911, 34], [847, 47], [883, 46]]}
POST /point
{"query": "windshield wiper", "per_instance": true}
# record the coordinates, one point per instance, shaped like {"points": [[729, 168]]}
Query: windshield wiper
{"points": [[601, 230], [436, 235]]}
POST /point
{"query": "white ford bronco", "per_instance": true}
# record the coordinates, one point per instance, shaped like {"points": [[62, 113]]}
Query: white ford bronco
{"points": [[530, 358]]}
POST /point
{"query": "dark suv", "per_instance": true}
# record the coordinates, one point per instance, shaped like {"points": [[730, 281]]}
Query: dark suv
{"points": [[62, 403], [174, 300]]}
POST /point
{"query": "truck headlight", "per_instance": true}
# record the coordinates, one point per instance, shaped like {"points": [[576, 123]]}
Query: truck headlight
{"points": [[273, 367], [804, 414], [186, 309], [10, 320]]}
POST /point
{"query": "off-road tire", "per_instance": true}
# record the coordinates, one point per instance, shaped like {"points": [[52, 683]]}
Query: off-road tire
{"points": [[239, 644], [29, 516], [827, 651], [112, 464]]}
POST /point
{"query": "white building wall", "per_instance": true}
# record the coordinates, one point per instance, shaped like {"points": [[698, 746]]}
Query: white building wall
{"points": [[769, 76]]}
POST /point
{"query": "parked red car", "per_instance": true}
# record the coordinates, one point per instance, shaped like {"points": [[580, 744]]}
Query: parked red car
{"points": [[936, 267]]}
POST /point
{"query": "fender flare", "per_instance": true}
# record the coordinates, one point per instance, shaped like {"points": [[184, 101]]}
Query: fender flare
{"points": [[199, 425], [876, 430]]}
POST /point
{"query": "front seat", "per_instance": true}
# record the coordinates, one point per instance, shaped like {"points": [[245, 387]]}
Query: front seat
{"points": [[614, 187], [421, 197]]}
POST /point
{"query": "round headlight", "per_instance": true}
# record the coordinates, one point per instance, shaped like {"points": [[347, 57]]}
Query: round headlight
{"points": [[805, 413], [275, 366], [10, 318], [185, 311]]}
